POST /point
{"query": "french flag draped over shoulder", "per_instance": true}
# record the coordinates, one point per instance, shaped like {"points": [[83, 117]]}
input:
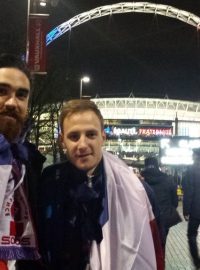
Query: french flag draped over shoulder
{"points": [[130, 235]]}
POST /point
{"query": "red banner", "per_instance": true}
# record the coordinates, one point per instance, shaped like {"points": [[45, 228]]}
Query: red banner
{"points": [[37, 43]]}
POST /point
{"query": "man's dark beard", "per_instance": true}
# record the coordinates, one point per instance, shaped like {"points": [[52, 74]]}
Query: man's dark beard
{"points": [[11, 127]]}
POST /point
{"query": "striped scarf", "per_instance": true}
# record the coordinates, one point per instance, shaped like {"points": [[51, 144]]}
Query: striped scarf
{"points": [[17, 236]]}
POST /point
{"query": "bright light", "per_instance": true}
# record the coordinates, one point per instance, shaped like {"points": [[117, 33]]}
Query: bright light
{"points": [[85, 79], [172, 160], [183, 143], [194, 144], [43, 3], [178, 151], [177, 156], [164, 143]]}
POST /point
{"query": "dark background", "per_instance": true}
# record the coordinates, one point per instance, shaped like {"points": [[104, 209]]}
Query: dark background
{"points": [[146, 54]]}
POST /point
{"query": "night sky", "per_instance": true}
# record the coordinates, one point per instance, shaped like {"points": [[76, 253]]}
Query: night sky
{"points": [[146, 54]]}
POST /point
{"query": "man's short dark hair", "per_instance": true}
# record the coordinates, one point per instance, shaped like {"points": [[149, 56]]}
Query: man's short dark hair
{"points": [[77, 106], [13, 61]]}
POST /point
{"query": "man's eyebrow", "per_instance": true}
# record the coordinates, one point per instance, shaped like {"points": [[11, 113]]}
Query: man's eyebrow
{"points": [[23, 89], [18, 89], [4, 84]]}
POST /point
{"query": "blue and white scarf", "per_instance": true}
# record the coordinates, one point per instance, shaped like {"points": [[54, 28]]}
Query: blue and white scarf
{"points": [[17, 236]]}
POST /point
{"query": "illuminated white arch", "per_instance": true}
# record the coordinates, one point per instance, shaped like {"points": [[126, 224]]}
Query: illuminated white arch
{"points": [[126, 7]]}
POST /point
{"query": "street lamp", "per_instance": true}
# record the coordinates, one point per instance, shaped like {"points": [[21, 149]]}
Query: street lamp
{"points": [[84, 79]]}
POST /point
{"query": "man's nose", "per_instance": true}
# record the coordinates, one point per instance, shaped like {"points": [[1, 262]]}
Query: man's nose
{"points": [[82, 142], [11, 101]]}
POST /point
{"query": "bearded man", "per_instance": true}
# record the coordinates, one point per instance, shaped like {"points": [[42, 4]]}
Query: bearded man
{"points": [[17, 234]]}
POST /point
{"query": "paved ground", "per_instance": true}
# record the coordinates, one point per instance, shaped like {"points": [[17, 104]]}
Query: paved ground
{"points": [[177, 253]]}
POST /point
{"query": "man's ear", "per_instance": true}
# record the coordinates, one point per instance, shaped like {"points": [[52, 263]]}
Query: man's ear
{"points": [[61, 143], [103, 135], [61, 140]]}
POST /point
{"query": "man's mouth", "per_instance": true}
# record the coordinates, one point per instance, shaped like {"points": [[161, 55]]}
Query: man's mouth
{"points": [[9, 115], [84, 155], [10, 118]]}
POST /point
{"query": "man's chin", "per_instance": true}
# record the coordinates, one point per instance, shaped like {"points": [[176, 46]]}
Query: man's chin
{"points": [[10, 127], [9, 119], [83, 167]]}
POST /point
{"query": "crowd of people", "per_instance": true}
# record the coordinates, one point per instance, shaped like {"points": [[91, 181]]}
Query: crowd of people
{"points": [[90, 211]]}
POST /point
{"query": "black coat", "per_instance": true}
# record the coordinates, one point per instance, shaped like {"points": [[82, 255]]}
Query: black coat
{"points": [[165, 192], [191, 190], [34, 164], [69, 215]]}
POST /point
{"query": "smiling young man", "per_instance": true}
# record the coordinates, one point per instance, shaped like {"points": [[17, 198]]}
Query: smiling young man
{"points": [[83, 137], [94, 212], [17, 236]]}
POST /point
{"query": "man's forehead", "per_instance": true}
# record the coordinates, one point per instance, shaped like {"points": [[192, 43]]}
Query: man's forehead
{"points": [[85, 114], [80, 128], [82, 118], [14, 77], [12, 71]]}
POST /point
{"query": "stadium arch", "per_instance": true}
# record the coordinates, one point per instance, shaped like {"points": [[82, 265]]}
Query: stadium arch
{"points": [[124, 7], [142, 109]]}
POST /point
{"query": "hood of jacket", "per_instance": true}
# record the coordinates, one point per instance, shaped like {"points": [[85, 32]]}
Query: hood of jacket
{"points": [[153, 176]]}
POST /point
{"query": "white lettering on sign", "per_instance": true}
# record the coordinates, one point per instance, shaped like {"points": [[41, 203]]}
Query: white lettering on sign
{"points": [[155, 132], [124, 131], [37, 46]]}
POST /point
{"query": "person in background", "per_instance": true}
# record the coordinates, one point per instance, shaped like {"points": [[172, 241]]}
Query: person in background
{"points": [[18, 245], [191, 205], [154, 204], [94, 212], [165, 192]]}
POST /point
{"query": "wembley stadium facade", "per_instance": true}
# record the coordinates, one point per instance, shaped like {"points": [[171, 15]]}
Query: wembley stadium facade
{"points": [[140, 127]]}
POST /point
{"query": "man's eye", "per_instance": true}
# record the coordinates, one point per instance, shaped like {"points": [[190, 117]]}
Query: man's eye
{"points": [[3, 91], [73, 137], [91, 135], [22, 93]]}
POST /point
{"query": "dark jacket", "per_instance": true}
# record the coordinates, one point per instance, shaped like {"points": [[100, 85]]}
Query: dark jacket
{"points": [[68, 215], [34, 165], [156, 211], [191, 192], [165, 192]]}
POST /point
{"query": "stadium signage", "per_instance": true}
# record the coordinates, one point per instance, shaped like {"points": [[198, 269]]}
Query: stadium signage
{"points": [[130, 131]]}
